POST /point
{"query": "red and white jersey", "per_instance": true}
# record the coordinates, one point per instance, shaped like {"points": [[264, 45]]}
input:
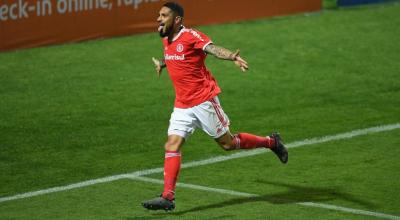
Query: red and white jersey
{"points": [[184, 58]]}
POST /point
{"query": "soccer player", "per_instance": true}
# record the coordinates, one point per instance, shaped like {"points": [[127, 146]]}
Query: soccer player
{"points": [[196, 101]]}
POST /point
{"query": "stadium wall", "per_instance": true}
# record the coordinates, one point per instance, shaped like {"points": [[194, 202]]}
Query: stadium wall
{"points": [[32, 23]]}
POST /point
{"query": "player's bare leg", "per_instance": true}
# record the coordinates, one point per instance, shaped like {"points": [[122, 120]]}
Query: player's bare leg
{"points": [[172, 166], [226, 141], [174, 143], [250, 141]]}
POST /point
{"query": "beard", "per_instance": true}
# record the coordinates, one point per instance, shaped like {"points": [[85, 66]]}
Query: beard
{"points": [[168, 30]]}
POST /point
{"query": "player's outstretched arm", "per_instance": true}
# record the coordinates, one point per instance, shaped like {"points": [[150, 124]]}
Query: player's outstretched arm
{"points": [[225, 54], [159, 64]]}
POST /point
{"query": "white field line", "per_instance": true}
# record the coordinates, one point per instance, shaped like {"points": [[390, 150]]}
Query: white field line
{"points": [[354, 211], [243, 194], [197, 187], [212, 160]]}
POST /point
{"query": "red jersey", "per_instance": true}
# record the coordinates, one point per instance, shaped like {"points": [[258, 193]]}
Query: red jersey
{"points": [[184, 58]]}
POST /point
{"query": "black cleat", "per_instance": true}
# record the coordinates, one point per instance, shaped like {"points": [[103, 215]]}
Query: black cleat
{"points": [[279, 148], [159, 203]]}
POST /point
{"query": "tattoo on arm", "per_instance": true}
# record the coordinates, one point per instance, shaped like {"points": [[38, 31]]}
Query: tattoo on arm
{"points": [[219, 52]]}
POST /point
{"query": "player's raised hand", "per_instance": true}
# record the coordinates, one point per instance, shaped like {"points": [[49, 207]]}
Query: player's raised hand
{"points": [[158, 66], [240, 62]]}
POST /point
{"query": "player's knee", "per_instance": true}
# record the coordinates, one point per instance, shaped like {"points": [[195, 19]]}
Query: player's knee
{"points": [[173, 144]]}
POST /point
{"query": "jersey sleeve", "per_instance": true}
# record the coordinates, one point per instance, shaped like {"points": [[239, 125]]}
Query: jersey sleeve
{"points": [[200, 40]]}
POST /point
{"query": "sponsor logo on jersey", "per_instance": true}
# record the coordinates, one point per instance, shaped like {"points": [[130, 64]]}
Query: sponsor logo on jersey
{"points": [[174, 57]]}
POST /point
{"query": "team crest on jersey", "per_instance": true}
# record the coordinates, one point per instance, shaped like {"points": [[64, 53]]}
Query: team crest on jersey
{"points": [[179, 48]]}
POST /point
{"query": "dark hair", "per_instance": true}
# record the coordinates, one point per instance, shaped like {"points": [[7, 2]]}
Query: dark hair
{"points": [[175, 7]]}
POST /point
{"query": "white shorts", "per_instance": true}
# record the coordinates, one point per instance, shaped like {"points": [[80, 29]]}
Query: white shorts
{"points": [[208, 116]]}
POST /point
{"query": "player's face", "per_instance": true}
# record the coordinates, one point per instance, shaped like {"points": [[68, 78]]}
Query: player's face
{"points": [[166, 21]]}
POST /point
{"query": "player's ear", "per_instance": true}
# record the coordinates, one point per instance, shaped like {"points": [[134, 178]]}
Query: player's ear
{"points": [[178, 19]]}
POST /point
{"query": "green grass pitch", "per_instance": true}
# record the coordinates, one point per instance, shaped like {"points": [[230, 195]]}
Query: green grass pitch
{"points": [[83, 111]]}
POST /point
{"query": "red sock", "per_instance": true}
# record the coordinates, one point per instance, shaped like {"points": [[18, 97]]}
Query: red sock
{"points": [[172, 165], [250, 141]]}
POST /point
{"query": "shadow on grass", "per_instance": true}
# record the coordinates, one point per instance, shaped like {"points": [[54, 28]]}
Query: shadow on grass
{"points": [[157, 215], [294, 194], [146, 217]]}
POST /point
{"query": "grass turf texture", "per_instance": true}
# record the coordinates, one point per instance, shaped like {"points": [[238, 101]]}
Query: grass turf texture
{"points": [[82, 111], [329, 4]]}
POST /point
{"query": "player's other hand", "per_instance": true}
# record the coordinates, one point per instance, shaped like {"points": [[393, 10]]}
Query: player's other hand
{"points": [[157, 64], [240, 62]]}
